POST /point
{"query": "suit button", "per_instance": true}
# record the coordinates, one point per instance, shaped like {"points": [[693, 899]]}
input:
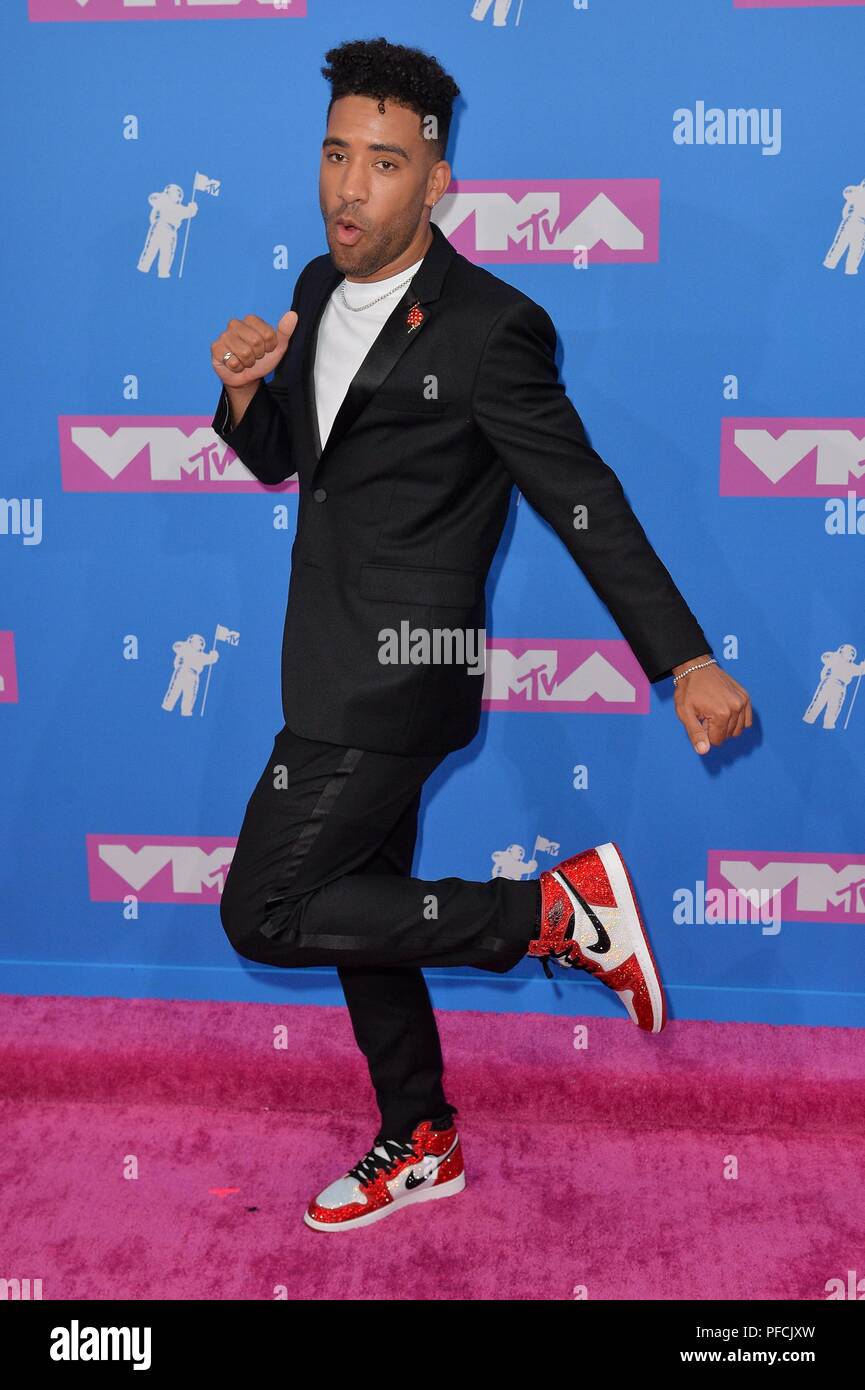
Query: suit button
{"points": [[319, 495]]}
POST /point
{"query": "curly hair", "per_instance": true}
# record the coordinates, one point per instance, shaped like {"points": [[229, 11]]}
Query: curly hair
{"points": [[376, 68]]}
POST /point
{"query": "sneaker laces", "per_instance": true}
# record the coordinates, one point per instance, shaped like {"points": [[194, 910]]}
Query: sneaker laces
{"points": [[382, 1156], [592, 966]]}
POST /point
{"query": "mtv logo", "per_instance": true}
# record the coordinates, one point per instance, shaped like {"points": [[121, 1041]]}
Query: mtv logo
{"points": [[47, 11], [812, 887], [8, 670], [792, 4], [546, 221], [574, 675], [791, 457], [150, 453], [158, 868]]}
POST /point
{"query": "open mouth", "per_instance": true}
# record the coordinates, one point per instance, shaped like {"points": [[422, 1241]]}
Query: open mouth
{"points": [[348, 232]]}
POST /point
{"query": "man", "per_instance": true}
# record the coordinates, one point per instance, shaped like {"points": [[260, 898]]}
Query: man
{"points": [[411, 390]]}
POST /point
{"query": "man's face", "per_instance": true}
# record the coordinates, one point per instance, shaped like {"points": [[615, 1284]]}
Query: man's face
{"points": [[383, 191]]}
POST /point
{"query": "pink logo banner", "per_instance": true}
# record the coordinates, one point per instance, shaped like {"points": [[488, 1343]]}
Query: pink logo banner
{"points": [[8, 672], [572, 675], [158, 868], [792, 4], [151, 453], [51, 11], [813, 887], [548, 221], [801, 456]]}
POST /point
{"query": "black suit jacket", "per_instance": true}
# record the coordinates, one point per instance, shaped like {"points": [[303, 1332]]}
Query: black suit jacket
{"points": [[401, 512]]}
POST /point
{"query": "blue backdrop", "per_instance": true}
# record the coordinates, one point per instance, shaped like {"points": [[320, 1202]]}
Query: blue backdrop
{"points": [[719, 372]]}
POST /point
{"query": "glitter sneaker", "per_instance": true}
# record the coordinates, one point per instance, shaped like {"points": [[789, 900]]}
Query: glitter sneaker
{"points": [[393, 1174], [590, 921]]}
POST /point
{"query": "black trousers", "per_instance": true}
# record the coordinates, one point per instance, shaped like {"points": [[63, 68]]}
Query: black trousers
{"points": [[321, 876]]}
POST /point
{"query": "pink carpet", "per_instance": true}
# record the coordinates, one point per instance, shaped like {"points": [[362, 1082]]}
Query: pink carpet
{"points": [[601, 1168]]}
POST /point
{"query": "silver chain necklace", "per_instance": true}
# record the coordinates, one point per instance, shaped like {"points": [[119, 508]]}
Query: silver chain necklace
{"points": [[358, 308]]}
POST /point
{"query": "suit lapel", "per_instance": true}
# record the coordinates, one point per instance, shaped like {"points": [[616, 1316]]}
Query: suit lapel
{"points": [[410, 315], [325, 290]]}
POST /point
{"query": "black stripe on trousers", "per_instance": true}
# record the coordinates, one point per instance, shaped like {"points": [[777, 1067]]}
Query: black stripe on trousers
{"points": [[308, 834]]}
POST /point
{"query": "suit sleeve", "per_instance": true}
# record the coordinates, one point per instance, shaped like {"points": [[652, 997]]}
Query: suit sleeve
{"points": [[522, 409], [262, 440]]}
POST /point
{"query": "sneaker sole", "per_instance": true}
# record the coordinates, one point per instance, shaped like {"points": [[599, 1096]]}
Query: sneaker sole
{"points": [[637, 938], [445, 1189]]}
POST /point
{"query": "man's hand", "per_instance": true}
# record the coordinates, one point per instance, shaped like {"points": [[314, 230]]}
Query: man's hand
{"points": [[711, 705], [257, 348]]}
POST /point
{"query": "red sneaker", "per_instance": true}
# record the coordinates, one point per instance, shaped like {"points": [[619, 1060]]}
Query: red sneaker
{"points": [[590, 921], [392, 1174]]}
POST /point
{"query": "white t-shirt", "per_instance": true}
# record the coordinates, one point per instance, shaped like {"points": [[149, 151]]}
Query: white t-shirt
{"points": [[345, 337]]}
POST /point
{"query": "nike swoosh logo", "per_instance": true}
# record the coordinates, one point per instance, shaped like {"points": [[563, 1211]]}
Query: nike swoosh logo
{"points": [[603, 943], [414, 1179]]}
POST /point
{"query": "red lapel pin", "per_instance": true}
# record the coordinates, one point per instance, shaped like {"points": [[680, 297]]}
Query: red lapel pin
{"points": [[414, 316]]}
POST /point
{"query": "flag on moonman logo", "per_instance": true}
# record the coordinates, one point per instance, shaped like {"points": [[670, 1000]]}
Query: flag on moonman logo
{"points": [[225, 634], [205, 185]]}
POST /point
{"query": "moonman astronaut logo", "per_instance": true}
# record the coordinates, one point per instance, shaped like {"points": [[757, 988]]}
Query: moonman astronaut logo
{"points": [[167, 211], [850, 236], [500, 8], [839, 669], [190, 659], [512, 863]]}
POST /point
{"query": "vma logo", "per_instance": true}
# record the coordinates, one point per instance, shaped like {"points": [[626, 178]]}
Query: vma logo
{"points": [[547, 221], [158, 868], [151, 453], [66, 10], [570, 675], [812, 887], [8, 671], [791, 457], [791, 4]]}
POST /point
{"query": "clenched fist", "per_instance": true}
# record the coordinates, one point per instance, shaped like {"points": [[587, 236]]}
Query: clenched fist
{"points": [[256, 348], [711, 704]]}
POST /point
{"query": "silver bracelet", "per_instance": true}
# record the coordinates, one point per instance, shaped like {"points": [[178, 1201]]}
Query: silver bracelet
{"points": [[711, 662]]}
